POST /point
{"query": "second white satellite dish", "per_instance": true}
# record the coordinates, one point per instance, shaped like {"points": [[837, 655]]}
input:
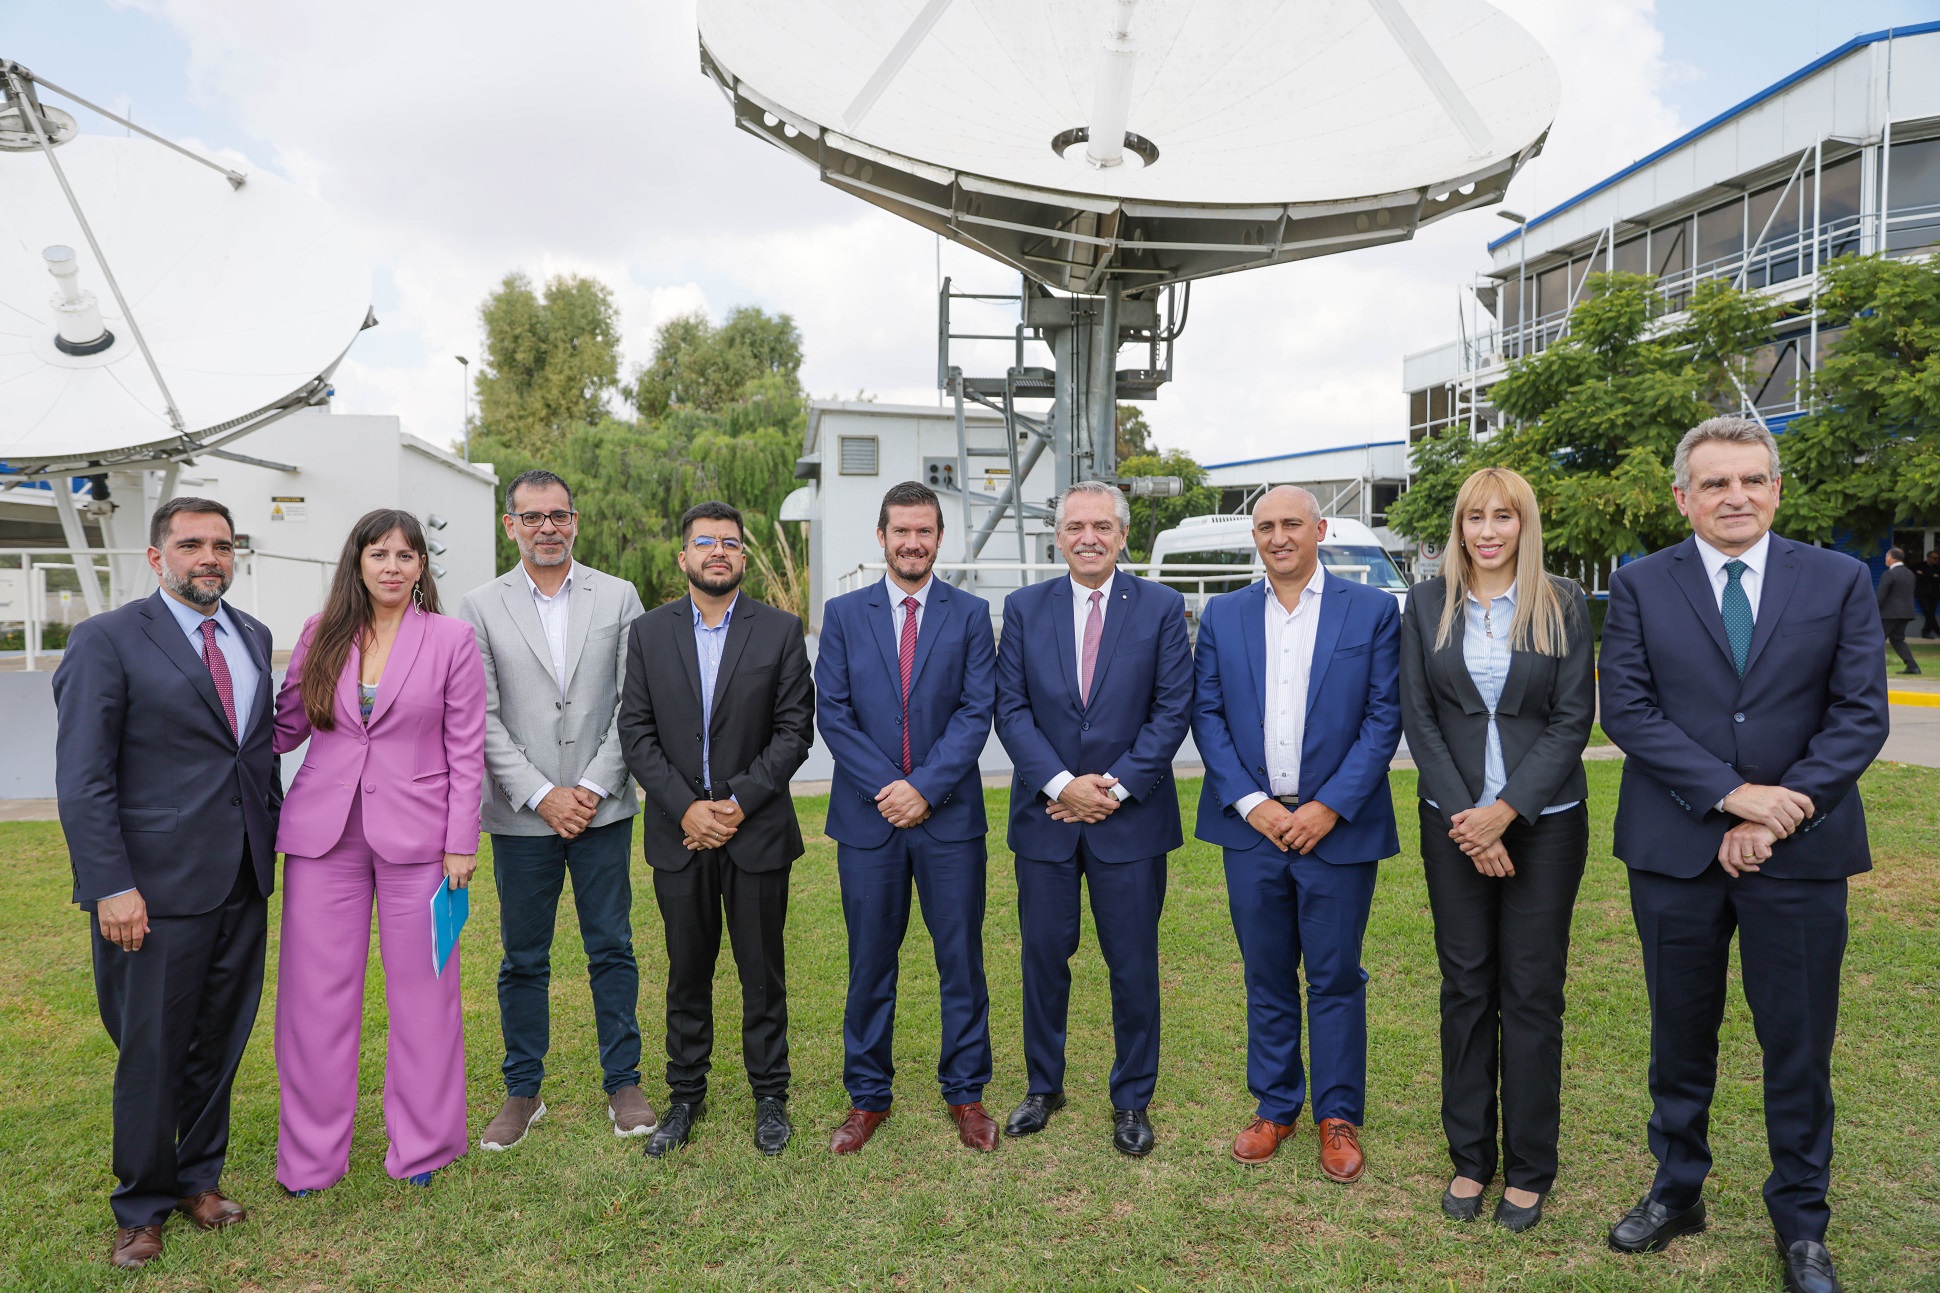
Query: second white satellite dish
{"points": [[245, 295]]}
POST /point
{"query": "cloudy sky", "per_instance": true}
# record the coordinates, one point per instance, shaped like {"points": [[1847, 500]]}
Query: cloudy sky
{"points": [[578, 136]]}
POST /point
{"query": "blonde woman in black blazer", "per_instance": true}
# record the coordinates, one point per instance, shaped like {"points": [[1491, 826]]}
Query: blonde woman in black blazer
{"points": [[1498, 690]]}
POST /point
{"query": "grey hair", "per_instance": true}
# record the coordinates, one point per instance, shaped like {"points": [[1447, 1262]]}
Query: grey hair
{"points": [[1723, 430], [1122, 504]]}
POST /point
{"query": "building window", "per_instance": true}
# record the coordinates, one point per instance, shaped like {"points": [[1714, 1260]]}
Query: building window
{"points": [[1670, 254], [1721, 238], [1633, 257], [1433, 410], [856, 455], [1913, 197], [1775, 258], [1839, 207]]}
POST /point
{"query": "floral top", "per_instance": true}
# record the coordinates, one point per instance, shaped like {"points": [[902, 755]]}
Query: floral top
{"points": [[366, 697]]}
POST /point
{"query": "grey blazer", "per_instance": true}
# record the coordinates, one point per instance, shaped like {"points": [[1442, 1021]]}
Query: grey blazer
{"points": [[533, 734], [1544, 716]]}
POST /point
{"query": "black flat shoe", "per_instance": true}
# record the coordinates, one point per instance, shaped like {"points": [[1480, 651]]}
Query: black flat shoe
{"points": [[1131, 1132], [1650, 1226], [1515, 1218], [1029, 1118], [1460, 1209], [675, 1127], [771, 1126], [1808, 1268]]}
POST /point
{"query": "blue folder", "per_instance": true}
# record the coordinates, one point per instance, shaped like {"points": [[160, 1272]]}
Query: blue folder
{"points": [[449, 910]]}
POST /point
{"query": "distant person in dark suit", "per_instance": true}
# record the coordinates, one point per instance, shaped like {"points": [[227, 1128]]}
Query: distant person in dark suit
{"points": [[1094, 697], [905, 678], [717, 712], [1896, 608], [1297, 712], [1498, 691], [1926, 590], [169, 800], [1742, 678]]}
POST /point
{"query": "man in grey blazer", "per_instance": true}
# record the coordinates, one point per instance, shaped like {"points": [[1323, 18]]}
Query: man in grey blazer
{"points": [[558, 798]]}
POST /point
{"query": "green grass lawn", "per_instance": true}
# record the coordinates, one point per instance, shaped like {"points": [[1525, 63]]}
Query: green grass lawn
{"points": [[575, 1209]]}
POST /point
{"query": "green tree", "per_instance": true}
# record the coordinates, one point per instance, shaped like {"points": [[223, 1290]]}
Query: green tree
{"points": [[1151, 515], [753, 357], [551, 361], [1868, 455], [1593, 420], [1134, 434]]}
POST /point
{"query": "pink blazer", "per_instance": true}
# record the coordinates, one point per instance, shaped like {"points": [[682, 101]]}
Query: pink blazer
{"points": [[419, 767]]}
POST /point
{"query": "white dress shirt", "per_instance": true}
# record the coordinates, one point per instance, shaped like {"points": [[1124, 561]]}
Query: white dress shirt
{"points": [[1080, 613], [1289, 667], [1752, 581], [554, 619], [896, 611]]}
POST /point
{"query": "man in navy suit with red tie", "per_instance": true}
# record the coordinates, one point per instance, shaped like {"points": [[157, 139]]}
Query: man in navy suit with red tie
{"points": [[904, 682], [1743, 678], [1094, 696]]}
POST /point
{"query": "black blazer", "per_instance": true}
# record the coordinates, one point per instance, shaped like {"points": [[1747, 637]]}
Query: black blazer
{"points": [[1544, 716], [763, 724], [155, 793], [1895, 594]]}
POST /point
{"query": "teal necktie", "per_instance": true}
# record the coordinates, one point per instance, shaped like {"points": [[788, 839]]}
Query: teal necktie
{"points": [[1737, 614]]}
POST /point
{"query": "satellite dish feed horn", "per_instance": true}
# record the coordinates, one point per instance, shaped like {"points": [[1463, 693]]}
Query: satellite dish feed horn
{"points": [[1111, 102]]}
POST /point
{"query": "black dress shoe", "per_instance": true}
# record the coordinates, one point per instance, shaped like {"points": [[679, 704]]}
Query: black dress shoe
{"points": [[1515, 1218], [1131, 1132], [1650, 1226], [771, 1126], [675, 1127], [1030, 1117], [1461, 1209], [1808, 1268]]}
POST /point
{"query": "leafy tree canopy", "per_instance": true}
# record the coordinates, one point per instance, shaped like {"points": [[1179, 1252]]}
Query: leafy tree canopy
{"points": [[1134, 434], [752, 357], [551, 360], [1150, 515]]}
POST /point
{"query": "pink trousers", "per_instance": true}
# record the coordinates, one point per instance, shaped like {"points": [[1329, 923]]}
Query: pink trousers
{"points": [[320, 1015]]}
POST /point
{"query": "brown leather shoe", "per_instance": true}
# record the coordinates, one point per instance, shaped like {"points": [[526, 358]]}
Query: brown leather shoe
{"points": [[855, 1130], [1258, 1142], [134, 1249], [1340, 1150], [975, 1128], [212, 1210]]}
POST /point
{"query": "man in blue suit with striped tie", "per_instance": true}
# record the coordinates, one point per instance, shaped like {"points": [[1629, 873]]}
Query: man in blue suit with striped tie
{"points": [[1094, 696], [1297, 715], [904, 682]]}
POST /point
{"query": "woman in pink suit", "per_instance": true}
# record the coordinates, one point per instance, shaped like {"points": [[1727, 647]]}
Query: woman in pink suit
{"points": [[391, 696]]}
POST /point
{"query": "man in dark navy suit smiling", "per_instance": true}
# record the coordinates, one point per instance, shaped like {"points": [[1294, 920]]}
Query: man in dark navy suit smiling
{"points": [[1743, 678]]}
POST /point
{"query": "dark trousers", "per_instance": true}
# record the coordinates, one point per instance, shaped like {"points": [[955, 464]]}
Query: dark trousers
{"points": [[1896, 638], [179, 1011], [1930, 618], [1126, 900], [530, 870], [949, 877], [1288, 909], [1791, 943], [692, 901], [1504, 948]]}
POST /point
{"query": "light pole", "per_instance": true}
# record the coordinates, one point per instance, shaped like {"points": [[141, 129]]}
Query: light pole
{"points": [[465, 402]]}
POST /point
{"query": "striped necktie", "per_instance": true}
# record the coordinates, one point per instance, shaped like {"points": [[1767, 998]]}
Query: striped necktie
{"points": [[906, 658]]}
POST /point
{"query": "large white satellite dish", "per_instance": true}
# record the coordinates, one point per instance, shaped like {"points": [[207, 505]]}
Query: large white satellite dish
{"points": [[216, 302], [1253, 131]]}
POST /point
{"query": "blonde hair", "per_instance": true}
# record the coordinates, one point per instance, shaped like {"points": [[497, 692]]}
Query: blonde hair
{"points": [[1540, 622]]}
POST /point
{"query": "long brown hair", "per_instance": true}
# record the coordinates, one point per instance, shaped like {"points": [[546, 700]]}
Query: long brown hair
{"points": [[1539, 624], [346, 617]]}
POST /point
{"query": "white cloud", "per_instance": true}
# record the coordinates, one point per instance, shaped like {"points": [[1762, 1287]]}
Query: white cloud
{"points": [[580, 136]]}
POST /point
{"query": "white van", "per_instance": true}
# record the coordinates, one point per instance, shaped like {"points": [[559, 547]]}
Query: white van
{"points": [[1350, 550]]}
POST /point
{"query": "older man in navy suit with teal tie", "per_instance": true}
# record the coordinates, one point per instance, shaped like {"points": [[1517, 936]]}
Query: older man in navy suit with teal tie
{"points": [[904, 683], [1094, 696], [1743, 678], [1297, 715]]}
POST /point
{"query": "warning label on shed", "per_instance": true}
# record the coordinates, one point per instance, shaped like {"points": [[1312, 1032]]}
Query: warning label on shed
{"points": [[288, 509]]}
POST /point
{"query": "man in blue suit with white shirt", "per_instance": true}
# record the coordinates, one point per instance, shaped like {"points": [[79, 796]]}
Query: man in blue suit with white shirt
{"points": [[1744, 680], [1297, 715], [1094, 697], [904, 684]]}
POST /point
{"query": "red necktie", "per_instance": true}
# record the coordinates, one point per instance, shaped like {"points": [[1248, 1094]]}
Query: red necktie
{"points": [[219, 672], [1094, 634], [906, 657]]}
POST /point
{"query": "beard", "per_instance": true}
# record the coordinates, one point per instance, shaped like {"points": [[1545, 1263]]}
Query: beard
{"points": [[181, 586], [529, 549], [716, 584], [912, 567]]}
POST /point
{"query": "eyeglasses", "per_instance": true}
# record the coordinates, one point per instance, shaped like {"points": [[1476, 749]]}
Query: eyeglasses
{"points": [[533, 520], [704, 543]]}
